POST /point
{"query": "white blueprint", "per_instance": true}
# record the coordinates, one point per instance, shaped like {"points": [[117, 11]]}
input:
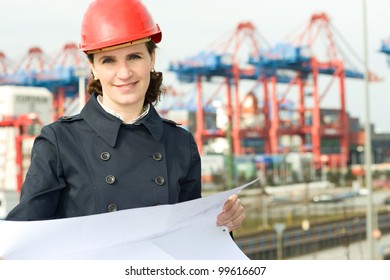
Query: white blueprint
{"points": [[182, 231]]}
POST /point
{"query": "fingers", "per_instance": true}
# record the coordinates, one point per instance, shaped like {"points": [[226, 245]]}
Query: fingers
{"points": [[237, 222], [232, 215], [230, 203], [234, 211], [227, 211]]}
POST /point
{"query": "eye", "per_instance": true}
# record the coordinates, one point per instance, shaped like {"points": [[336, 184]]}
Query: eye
{"points": [[133, 57], [107, 60]]}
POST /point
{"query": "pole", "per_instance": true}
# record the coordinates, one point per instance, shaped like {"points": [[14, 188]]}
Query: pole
{"points": [[82, 74], [230, 158], [264, 196], [279, 228], [230, 180], [199, 115], [367, 144]]}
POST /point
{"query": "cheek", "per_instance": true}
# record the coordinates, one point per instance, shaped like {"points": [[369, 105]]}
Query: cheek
{"points": [[105, 76], [146, 74]]}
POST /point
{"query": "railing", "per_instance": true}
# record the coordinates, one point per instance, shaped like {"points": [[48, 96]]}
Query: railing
{"points": [[297, 242]]}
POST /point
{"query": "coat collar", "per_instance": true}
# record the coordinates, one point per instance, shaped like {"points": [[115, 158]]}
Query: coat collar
{"points": [[107, 126]]}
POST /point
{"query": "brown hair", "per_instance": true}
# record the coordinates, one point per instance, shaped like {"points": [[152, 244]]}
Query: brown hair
{"points": [[155, 86]]}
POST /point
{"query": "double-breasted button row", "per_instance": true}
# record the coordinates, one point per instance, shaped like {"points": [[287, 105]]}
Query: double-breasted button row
{"points": [[110, 179], [160, 180], [112, 207], [157, 156]]}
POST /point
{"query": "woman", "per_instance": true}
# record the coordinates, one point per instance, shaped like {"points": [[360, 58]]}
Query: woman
{"points": [[118, 153]]}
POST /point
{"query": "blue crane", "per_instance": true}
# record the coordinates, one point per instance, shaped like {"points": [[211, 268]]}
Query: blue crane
{"points": [[385, 48], [36, 70], [296, 58]]}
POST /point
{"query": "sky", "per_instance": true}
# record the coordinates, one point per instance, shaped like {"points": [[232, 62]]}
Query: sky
{"points": [[190, 26]]}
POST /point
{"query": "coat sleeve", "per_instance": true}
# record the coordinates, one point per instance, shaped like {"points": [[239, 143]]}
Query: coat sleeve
{"points": [[41, 190], [191, 186]]}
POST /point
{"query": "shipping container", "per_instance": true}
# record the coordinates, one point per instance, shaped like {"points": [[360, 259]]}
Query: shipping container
{"points": [[18, 100]]}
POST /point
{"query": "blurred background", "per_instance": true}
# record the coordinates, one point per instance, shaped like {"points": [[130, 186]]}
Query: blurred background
{"points": [[292, 92]]}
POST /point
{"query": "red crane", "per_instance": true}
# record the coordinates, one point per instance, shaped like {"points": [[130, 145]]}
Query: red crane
{"points": [[70, 56], [34, 61], [224, 60], [68, 63], [311, 53], [328, 60]]}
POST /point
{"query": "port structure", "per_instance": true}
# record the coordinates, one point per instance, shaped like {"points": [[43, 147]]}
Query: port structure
{"points": [[60, 73], [296, 63]]}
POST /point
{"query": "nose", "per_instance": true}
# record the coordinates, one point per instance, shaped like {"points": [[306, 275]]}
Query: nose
{"points": [[124, 71]]}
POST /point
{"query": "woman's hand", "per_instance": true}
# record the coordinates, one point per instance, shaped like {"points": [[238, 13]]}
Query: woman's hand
{"points": [[232, 214]]}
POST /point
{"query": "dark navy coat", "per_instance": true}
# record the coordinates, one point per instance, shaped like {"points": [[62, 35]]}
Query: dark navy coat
{"points": [[93, 163]]}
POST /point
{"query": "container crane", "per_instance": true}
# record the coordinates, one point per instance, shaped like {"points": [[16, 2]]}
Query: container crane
{"points": [[225, 60], [302, 55], [59, 75], [73, 71]]}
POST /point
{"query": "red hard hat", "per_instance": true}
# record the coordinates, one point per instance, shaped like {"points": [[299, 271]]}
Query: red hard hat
{"points": [[113, 22]]}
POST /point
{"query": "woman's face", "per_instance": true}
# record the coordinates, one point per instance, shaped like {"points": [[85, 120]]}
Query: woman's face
{"points": [[124, 75]]}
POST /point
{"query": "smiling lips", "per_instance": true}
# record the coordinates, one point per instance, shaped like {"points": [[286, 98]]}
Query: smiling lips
{"points": [[128, 85]]}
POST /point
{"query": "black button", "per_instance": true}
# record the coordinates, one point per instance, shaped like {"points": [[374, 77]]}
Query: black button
{"points": [[110, 179], [112, 208], [105, 156], [157, 156], [159, 180], [66, 117]]}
